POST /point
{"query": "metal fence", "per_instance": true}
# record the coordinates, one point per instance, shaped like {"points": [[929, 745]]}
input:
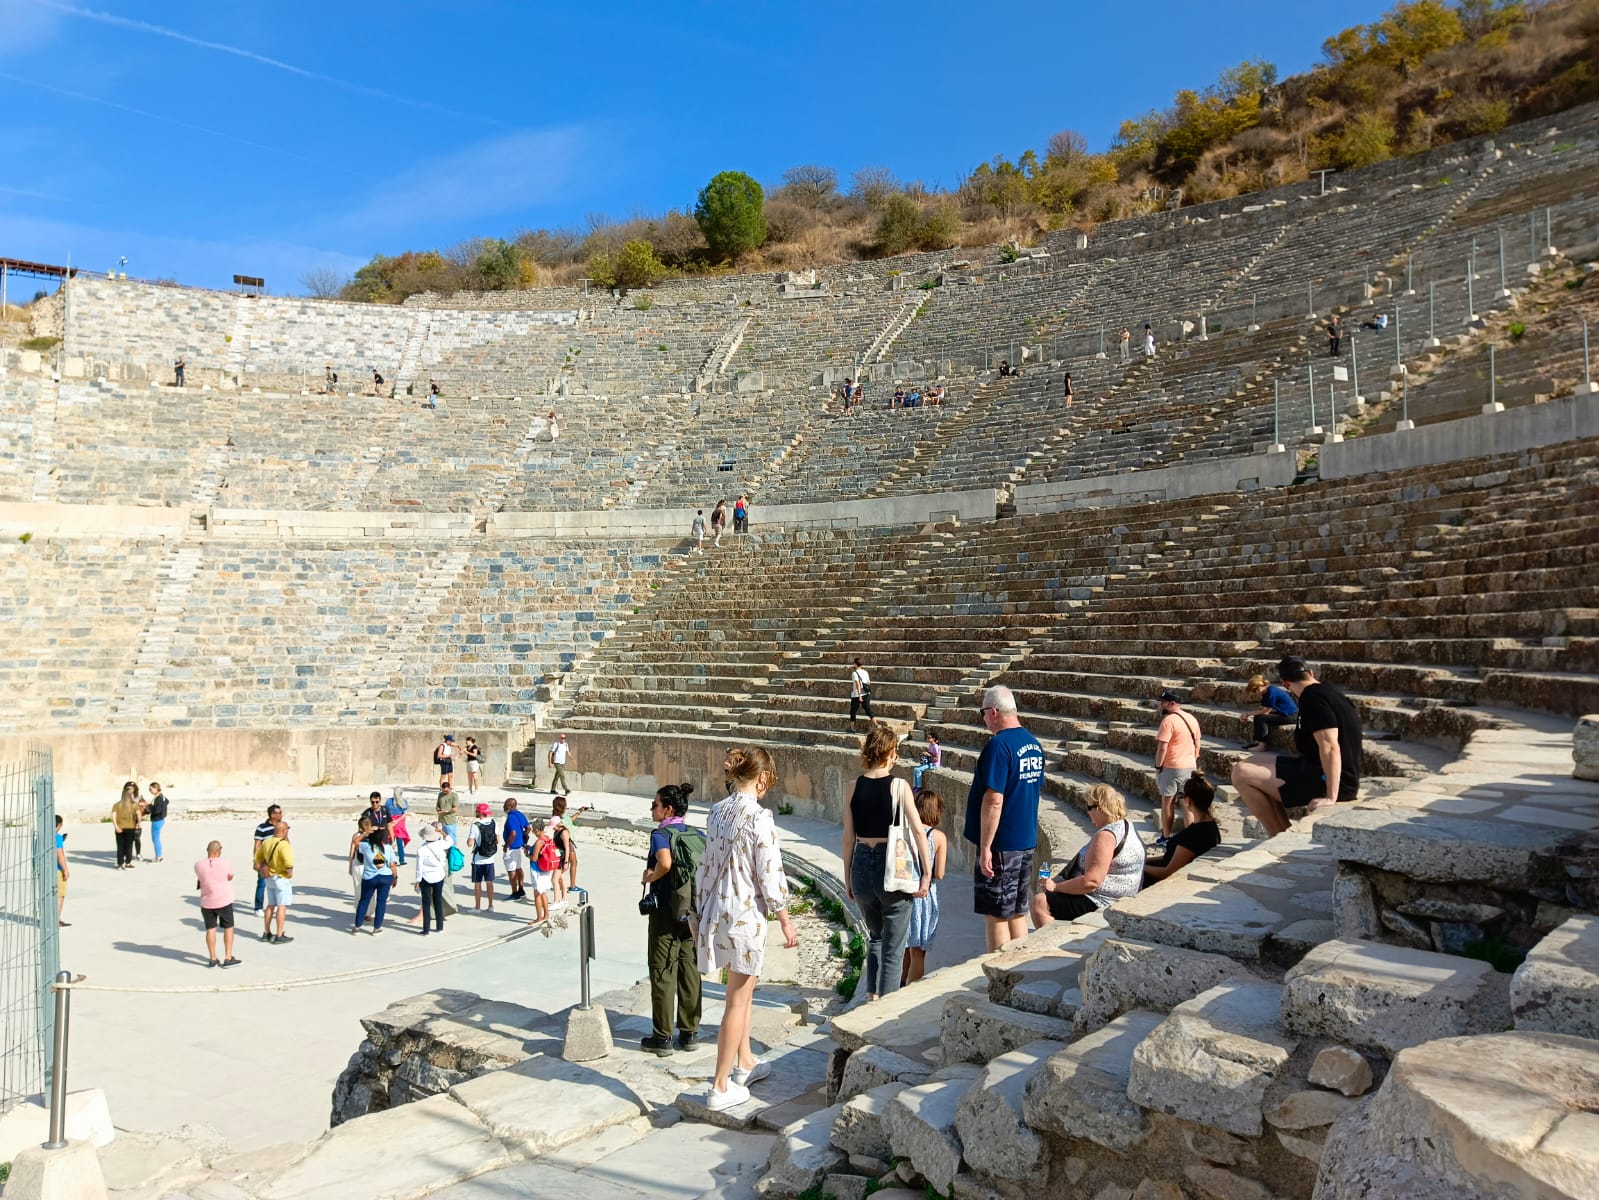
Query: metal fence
{"points": [[29, 928]]}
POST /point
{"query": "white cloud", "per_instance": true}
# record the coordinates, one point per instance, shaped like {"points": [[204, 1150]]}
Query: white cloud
{"points": [[518, 171]]}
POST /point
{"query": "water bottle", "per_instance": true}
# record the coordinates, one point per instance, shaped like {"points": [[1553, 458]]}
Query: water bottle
{"points": [[1043, 870]]}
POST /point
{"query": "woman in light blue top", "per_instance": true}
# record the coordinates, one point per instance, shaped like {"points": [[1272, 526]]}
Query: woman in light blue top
{"points": [[377, 877]]}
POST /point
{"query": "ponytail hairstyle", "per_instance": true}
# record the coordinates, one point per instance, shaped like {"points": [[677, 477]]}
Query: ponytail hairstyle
{"points": [[1200, 793], [675, 796], [746, 764], [878, 746]]}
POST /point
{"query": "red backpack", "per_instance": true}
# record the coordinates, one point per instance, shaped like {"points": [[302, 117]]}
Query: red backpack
{"points": [[549, 858]]}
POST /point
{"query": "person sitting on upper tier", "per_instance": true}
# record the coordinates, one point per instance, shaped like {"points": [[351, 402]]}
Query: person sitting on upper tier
{"points": [[1198, 834]]}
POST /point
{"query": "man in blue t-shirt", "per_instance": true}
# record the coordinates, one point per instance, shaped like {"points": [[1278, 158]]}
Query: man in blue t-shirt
{"points": [[514, 840], [1002, 819]]}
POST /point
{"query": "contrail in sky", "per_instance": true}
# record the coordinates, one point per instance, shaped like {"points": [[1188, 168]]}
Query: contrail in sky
{"points": [[138, 26], [139, 112]]}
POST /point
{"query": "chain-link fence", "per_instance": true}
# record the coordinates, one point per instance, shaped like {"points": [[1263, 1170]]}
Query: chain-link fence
{"points": [[29, 926]]}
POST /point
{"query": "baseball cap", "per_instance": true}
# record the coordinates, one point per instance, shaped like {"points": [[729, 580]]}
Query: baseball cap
{"points": [[1292, 668], [483, 810], [1168, 694], [449, 737]]}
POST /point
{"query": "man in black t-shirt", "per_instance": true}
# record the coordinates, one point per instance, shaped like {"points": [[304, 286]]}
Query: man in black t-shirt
{"points": [[1326, 769]]}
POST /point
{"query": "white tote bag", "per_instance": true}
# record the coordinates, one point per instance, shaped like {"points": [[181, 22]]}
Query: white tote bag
{"points": [[902, 872]]}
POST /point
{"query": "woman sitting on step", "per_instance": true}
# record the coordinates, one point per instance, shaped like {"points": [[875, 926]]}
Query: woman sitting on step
{"points": [[1108, 868], [1198, 834]]}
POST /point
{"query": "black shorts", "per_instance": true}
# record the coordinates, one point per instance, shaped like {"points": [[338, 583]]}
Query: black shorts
{"points": [[482, 872], [1301, 782], [218, 918], [1006, 894], [1066, 906]]}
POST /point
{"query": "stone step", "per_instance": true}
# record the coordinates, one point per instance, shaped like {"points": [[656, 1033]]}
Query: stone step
{"points": [[1386, 998], [1212, 1060], [989, 1120], [1081, 1091], [920, 1122], [975, 1030], [1556, 990]]}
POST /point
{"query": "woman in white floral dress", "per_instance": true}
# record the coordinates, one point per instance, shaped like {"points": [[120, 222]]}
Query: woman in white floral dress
{"points": [[740, 884]]}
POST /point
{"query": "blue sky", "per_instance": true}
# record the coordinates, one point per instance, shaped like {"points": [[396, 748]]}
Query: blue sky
{"points": [[272, 138]]}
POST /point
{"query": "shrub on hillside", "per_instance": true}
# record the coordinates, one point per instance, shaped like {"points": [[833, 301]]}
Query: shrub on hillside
{"points": [[897, 224], [1367, 139], [633, 265], [730, 214]]}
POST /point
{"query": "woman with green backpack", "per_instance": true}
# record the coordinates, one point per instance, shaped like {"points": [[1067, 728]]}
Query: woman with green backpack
{"points": [[674, 852]]}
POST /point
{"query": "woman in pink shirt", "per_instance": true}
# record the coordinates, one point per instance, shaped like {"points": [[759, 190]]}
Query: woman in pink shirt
{"points": [[214, 876]]}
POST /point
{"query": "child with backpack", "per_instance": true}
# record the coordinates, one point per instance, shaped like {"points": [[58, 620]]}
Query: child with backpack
{"points": [[484, 842], [674, 854], [545, 860]]}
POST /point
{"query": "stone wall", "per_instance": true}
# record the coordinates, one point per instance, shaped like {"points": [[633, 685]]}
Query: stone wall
{"points": [[424, 1045]]}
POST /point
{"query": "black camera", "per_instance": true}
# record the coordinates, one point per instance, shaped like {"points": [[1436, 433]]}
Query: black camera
{"points": [[649, 903]]}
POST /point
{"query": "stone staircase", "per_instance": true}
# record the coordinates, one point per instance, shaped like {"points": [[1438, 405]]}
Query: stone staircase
{"points": [[136, 699], [721, 354], [410, 362], [46, 486], [907, 312]]}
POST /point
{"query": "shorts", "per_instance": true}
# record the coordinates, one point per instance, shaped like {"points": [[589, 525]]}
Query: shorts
{"points": [[279, 892], [543, 881], [1170, 780], [61, 884], [473, 768], [516, 860], [218, 918], [1065, 906], [1301, 782], [1006, 894], [483, 872], [447, 767]]}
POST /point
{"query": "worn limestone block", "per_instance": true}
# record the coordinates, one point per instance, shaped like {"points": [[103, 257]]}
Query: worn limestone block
{"points": [[1219, 1183], [1385, 998], [1556, 989], [874, 1066], [802, 1156], [1212, 1059], [1124, 975], [1342, 1069], [1585, 748], [994, 1133], [1081, 1091], [858, 1129], [1507, 1114], [921, 1125], [1308, 1109], [1308, 1146], [976, 1030], [845, 1187]]}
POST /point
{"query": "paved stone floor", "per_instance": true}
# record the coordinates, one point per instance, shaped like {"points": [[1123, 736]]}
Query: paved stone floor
{"points": [[259, 1065]]}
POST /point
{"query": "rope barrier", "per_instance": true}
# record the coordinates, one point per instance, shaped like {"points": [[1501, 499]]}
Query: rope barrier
{"points": [[77, 985]]}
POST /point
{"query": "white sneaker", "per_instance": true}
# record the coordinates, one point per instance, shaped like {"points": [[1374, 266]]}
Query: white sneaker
{"points": [[758, 1072], [735, 1095]]}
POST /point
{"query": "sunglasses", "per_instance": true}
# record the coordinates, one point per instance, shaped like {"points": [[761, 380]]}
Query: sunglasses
{"points": [[1093, 808]]}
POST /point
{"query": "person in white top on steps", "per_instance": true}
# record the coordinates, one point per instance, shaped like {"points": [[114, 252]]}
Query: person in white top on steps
{"points": [[860, 695]]}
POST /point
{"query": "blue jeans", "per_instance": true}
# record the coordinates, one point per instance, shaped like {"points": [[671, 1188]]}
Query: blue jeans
{"points": [[888, 919], [378, 886], [917, 772], [260, 892], [155, 834]]}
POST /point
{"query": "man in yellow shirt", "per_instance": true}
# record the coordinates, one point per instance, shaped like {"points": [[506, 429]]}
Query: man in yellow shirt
{"points": [[274, 863]]}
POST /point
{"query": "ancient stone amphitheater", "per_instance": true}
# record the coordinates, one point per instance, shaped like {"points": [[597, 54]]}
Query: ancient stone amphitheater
{"points": [[275, 585]]}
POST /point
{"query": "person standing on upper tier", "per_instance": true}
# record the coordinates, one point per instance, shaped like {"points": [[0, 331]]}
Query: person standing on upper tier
{"points": [[1002, 819]]}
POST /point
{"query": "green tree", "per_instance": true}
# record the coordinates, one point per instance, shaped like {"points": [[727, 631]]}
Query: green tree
{"points": [[898, 224], [633, 264], [730, 214], [497, 265], [1367, 139]]}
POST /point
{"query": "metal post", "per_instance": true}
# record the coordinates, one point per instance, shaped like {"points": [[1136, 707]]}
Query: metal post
{"points": [[1254, 300], [1493, 391], [1410, 275], [1276, 415], [1399, 350], [1503, 290], [1354, 364], [1471, 303], [1310, 299], [1532, 236], [1332, 407], [58, 1066], [1548, 231], [1587, 375], [1432, 291], [585, 947], [2, 290], [1311, 367]]}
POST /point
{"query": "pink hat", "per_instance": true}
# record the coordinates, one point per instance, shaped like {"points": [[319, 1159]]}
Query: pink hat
{"points": [[482, 810]]}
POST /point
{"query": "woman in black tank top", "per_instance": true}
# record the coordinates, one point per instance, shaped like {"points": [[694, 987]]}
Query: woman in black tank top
{"points": [[868, 813]]}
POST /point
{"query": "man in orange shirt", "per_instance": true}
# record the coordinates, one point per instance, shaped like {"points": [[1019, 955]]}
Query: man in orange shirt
{"points": [[1176, 757]]}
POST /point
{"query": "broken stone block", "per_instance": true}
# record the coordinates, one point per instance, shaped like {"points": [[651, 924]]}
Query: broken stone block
{"points": [[1385, 998], [1081, 1091], [1506, 1114], [994, 1133], [1125, 975], [975, 1030], [1308, 1110], [858, 1128], [1556, 990], [802, 1156], [1342, 1069], [921, 1126], [1585, 748], [1212, 1059], [873, 1066]]}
